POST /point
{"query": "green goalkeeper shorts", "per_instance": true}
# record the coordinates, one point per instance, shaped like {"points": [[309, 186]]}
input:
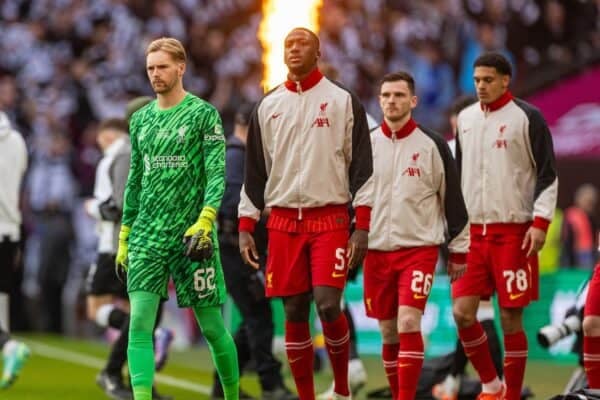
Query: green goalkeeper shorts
{"points": [[196, 283]]}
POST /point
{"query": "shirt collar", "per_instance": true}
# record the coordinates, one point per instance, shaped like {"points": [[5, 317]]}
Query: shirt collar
{"points": [[310, 81], [403, 132], [498, 103], [114, 147]]}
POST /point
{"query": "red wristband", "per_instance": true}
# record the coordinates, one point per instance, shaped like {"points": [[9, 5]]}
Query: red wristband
{"points": [[363, 218], [541, 223], [246, 224], [458, 258]]}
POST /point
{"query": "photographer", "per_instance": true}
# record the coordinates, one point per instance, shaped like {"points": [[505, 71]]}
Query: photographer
{"points": [[254, 337]]}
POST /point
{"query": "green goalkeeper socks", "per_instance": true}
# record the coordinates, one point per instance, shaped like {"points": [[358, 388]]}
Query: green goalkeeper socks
{"points": [[140, 352], [222, 349]]}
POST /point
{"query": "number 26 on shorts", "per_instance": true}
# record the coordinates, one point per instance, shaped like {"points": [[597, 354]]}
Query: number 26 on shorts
{"points": [[420, 284]]}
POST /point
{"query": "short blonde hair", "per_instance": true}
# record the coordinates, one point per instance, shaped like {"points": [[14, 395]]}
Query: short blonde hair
{"points": [[168, 45]]}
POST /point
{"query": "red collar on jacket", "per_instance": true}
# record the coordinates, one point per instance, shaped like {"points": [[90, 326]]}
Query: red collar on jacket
{"points": [[498, 103], [310, 81], [402, 132]]}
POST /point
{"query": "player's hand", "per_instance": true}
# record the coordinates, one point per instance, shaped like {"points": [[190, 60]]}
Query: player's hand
{"points": [[248, 250], [121, 259], [455, 270], [534, 240], [197, 238], [357, 247]]}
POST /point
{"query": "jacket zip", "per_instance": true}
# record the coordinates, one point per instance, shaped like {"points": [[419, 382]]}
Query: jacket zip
{"points": [[299, 90], [394, 157], [483, 168]]}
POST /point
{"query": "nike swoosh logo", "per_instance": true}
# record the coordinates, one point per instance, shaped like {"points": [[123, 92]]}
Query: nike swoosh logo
{"points": [[336, 275], [201, 296], [419, 296], [136, 375], [293, 360], [516, 296], [276, 115], [337, 352], [404, 365]]}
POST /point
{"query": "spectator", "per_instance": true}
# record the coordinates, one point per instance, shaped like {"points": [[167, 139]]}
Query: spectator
{"points": [[52, 191], [580, 228]]}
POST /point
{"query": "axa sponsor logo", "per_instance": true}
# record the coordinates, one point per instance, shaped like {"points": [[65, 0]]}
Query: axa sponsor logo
{"points": [[500, 144], [322, 120]]}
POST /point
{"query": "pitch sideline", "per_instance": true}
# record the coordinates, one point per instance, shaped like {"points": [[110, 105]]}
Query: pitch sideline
{"points": [[73, 357]]}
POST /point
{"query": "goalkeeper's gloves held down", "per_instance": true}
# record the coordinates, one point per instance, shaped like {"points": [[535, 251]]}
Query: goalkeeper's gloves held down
{"points": [[197, 238], [121, 260]]}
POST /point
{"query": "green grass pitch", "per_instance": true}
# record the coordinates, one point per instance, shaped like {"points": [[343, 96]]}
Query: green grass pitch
{"points": [[65, 369]]}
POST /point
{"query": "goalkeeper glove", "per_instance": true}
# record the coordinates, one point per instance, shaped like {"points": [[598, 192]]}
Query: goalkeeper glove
{"points": [[198, 239], [121, 260]]}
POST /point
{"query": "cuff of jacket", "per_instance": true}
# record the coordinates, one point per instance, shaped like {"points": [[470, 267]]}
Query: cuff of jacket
{"points": [[363, 218], [541, 223], [246, 224], [458, 258]]}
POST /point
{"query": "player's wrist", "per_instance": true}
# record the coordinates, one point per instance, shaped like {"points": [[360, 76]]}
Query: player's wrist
{"points": [[541, 223], [363, 218], [124, 233], [246, 224], [209, 214], [457, 258]]}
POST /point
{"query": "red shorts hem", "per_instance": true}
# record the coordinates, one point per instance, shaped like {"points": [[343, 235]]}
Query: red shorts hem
{"points": [[297, 262], [398, 278]]}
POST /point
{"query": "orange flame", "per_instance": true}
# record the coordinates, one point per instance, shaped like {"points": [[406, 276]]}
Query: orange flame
{"points": [[279, 18]]}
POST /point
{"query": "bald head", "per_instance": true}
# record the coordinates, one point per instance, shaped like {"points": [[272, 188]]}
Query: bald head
{"points": [[313, 35]]}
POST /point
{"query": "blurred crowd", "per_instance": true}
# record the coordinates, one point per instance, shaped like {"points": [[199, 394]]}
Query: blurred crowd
{"points": [[67, 64]]}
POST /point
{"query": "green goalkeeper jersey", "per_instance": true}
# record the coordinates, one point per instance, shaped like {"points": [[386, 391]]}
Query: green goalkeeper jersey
{"points": [[177, 167]]}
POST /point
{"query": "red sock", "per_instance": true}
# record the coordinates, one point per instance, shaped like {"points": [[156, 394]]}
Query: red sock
{"points": [[410, 362], [475, 342], [337, 341], [515, 359], [300, 354], [591, 360], [389, 354]]}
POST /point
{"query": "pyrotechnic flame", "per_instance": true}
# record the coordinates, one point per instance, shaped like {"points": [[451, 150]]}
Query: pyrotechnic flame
{"points": [[279, 18]]}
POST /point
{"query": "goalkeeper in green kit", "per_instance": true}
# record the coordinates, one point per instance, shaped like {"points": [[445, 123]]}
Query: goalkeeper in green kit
{"points": [[173, 192]]}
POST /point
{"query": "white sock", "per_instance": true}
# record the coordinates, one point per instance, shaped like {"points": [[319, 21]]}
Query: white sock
{"points": [[492, 386], [9, 346], [103, 314], [4, 312], [451, 384]]}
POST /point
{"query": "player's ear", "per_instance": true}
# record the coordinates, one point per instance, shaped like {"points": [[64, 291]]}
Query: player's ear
{"points": [[181, 69], [414, 100], [505, 80]]}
